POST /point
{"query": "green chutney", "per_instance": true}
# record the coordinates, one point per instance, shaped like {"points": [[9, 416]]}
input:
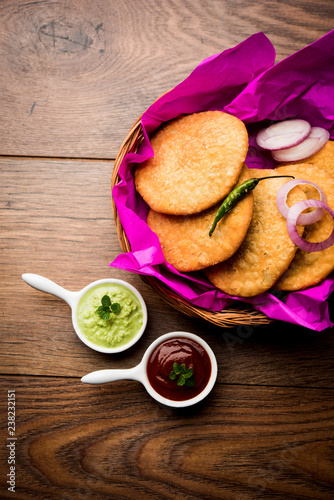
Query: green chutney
{"points": [[121, 327]]}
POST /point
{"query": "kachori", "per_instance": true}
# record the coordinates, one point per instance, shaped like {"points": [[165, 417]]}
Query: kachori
{"points": [[197, 161], [323, 159]]}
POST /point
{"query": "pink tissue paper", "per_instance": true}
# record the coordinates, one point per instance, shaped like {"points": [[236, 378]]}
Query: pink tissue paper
{"points": [[245, 82]]}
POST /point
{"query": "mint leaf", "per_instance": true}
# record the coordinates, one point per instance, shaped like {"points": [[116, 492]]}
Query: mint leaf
{"points": [[100, 311], [188, 373], [185, 375], [106, 308], [190, 382], [177, 369], [115, 307], [105, 301], [106, 315]]}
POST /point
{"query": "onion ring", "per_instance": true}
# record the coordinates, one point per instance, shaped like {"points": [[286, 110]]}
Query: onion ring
{"points": [[293, 218], [316, 140], [303, 219], [283, 135]]}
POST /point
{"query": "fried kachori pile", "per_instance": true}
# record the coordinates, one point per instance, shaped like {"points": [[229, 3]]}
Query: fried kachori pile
{"points": [[185, 239], [267, 251], [198, 160]]}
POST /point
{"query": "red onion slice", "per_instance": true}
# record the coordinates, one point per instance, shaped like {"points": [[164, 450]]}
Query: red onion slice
{"points": [[291, 221], [303, 219], [316, 139], [284, 134]]}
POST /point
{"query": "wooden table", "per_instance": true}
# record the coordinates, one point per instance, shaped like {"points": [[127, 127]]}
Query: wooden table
{"points": [[75, 75]]}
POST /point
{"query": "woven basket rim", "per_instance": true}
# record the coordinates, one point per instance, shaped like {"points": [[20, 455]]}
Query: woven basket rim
{"points": [[229, 317]]}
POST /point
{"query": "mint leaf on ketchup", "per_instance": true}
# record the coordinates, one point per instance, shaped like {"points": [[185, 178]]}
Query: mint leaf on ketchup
{"points": [[185, 375]]}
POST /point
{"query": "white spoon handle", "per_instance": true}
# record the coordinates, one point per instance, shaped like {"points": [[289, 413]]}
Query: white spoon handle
{"points": [[48, 286], [105, 376]]}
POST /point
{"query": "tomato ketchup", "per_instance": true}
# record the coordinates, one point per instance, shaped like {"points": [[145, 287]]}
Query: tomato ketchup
{"points": [[178, 350]]}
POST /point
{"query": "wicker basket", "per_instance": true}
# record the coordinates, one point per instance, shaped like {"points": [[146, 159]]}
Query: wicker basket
{"points": [[231, 317]]}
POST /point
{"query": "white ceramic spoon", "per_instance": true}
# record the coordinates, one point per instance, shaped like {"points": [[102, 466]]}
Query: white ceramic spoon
{"points": [[139, 372], [73, 299]]}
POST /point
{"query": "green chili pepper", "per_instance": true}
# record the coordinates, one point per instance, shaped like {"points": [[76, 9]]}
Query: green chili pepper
{"points": [[237, 194]]}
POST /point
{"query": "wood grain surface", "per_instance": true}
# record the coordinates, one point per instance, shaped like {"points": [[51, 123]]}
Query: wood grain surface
{"points": [[77, 74], [74, 77], [115, 442]]}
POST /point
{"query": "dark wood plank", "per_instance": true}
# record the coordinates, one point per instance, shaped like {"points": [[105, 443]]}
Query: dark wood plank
{"points": [[56, 220], [76, 75], [113, 441]]}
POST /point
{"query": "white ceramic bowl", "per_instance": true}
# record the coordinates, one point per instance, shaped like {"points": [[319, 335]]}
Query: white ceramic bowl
{"points": [[73, 299], [139, 372]]}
